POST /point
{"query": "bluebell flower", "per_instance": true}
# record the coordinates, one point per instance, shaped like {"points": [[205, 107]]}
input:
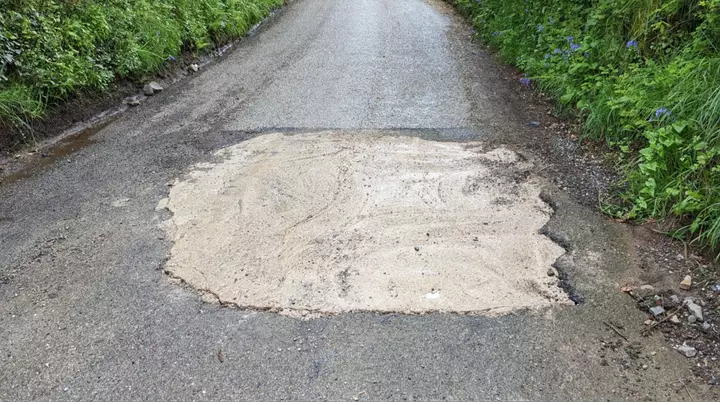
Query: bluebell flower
{"points": [[661, 111], [574, 47], [570, 38], [631, 43], [540, 28], [547, 56], [557, 50], [525, 81], [172, 58]]}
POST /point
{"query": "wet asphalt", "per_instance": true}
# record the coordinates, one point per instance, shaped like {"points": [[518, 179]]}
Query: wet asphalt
{"points": [[86, 312]]}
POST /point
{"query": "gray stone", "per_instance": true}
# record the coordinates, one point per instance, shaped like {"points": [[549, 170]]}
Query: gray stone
{"points": [[695, 309], [194, 67], [675, 320], [688, 351], [706, 326], [692, 319], [646, 287], [155, 86], [675, 300], [551, 272], [148, 90], [657, 311]]}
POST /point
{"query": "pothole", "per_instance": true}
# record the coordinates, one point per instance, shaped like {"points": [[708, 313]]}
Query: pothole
{"points": [[325, 223]]}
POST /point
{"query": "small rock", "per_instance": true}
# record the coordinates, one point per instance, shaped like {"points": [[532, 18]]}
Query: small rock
{"points": [[680, 257], [715, 287], [148, 90], [692, 319], [657, 311], [688, 351], [644, 366], [675, 300], [155, 86], [695, 309], [706, 326], [533, 124], [194, 67], [133, 103], [649, 322], [646, 287], [675, 320], [686, 283], [551, 272], [417, 248]]}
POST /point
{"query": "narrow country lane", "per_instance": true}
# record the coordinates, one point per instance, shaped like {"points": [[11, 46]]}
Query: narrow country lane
{"points": [[348, 206]]}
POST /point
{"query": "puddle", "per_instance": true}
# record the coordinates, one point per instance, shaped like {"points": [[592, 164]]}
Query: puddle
{"points": [[29, 164], [325, 223]]}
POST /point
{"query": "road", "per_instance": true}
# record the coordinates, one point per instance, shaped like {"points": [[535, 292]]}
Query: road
{"points": [[88, 313]]}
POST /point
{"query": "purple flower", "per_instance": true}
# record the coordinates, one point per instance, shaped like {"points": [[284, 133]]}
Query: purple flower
{"points": [[172, 58], [661, 111], [525, 81], [574, 47], [540, 28], [631, 43], [557, 50], [570, 38]]}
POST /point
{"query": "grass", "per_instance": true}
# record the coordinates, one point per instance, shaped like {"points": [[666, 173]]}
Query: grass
{"points": [[641, 75], [51, 50]]}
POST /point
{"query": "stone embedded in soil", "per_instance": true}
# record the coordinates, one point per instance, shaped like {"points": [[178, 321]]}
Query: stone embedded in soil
{"points": [[657, 311], [148, 90], [692, 319], [688, 351], [675, 320], [695, 310], [646, 288], [194, 67], [686, 283], [155, 86]]}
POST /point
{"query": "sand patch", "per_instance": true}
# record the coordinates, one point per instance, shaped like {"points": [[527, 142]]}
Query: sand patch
{"points": [[330, 222]]}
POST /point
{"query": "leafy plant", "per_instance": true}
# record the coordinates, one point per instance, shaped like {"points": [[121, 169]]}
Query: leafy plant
{"points": [[643, 75]]}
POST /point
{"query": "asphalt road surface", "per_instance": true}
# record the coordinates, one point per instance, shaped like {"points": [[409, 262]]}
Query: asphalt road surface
{"points": [[88, 313]]}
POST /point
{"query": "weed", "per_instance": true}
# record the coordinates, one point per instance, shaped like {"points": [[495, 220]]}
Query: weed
{"points": [[644, 76]]}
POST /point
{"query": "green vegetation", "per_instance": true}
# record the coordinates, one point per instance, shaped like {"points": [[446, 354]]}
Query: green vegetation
{"points": [[642, 75], [53, 49]]}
